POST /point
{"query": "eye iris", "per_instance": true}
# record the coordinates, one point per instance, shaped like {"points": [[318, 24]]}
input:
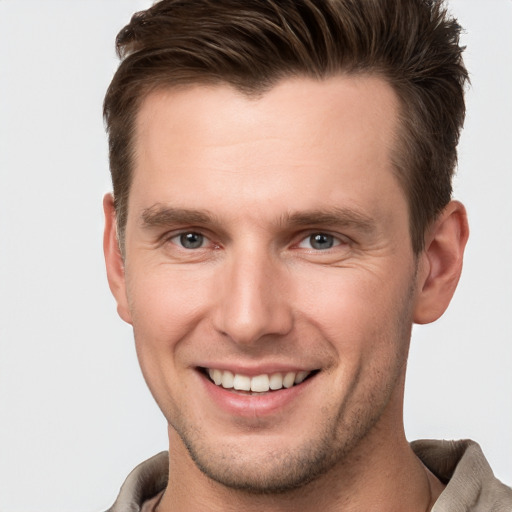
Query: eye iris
{"points": [[191, 240], [321, 241]]}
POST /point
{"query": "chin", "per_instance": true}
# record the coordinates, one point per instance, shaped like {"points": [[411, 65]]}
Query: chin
{"points": [[276, 473], [268, 466]]}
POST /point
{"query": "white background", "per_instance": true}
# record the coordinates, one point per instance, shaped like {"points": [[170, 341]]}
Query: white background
{"points": [[75, 415]]}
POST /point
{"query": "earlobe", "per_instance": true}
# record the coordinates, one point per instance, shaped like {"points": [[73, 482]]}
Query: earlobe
{"points": [[440, 263], [114, 260]]}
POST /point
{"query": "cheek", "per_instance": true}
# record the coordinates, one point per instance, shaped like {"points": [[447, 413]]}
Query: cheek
{"points": [[168, 308], [367, 324], [165, 302], [360, 313]]}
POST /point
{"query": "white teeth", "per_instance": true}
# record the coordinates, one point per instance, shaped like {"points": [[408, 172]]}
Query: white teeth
{"points": [[276, 381], [217, 377], [289, 380], [227, 380], [242, 382], [258, 384], [300, 377]]}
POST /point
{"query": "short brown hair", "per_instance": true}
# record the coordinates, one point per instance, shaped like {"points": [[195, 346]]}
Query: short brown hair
{"points": [[252, 44]]}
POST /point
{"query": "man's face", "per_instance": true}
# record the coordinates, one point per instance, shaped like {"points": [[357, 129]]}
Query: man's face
{"points": [[268, 240]]}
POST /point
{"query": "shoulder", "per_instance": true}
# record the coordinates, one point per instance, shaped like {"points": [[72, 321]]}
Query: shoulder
{"points": [[470, 482], [145, 482]]}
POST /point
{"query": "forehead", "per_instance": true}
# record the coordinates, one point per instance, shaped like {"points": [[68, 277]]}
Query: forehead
{"points": [[223, 113], [325, 139]]}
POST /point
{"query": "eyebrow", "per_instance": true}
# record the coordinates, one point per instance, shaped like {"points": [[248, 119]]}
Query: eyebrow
{"points": [[160, 215], [343, 217]]}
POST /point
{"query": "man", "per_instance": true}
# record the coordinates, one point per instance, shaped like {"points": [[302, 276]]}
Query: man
{"points": [[281, 216]]}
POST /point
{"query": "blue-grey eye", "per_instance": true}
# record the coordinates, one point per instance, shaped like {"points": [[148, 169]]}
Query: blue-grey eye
{"points": [[191, 240], [320, 241]]}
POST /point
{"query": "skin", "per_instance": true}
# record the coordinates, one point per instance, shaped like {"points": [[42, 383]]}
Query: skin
{"points": [[256, 178]]}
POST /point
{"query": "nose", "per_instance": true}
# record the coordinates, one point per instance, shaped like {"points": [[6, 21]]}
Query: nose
{"points": [[252, 301]]}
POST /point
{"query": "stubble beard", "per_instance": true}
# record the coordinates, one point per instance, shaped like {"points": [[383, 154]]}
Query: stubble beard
{"points": [[280, 472], [286, 470]]}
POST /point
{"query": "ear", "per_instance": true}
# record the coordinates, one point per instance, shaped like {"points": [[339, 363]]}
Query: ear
{"points": [[114, 260], [440, 263]]}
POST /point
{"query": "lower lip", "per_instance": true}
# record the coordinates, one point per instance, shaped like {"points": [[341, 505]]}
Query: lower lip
{"points": [[254, 405]]}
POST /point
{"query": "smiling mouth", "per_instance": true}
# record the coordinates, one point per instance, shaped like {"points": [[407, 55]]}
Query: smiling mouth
{"points": [[263, 383]]}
